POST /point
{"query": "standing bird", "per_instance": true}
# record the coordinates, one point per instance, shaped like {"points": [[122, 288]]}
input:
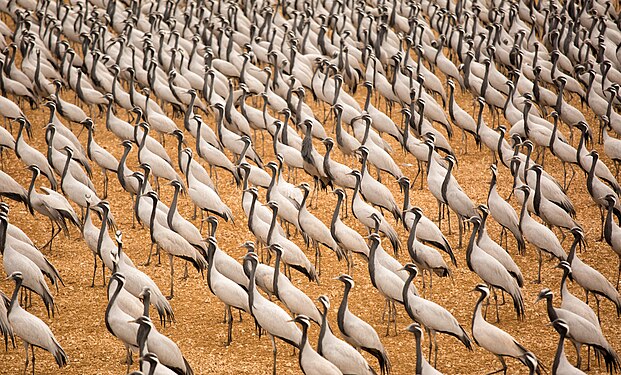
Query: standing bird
{"points": [[503, 213], [432, 316], [104, 159], [293, 298], [581, 332], [52, 205], [227, 290], [359, 333], [337, 351], [5, 327], [315, 232], [590, 279], [166, 350], [119, 323], [492, 272], [425, 257], [422, 366], [561, 365], [269, 316], [11, 189], [33, 332], [173, 243], [347, 238], [538, 234], [495, 340], [30, 275], [310, 361], [364, 212], [31, 156], [612, 232]]}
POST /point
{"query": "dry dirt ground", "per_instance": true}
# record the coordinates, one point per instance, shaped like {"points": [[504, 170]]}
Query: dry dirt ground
{"points": [[199, 329]]}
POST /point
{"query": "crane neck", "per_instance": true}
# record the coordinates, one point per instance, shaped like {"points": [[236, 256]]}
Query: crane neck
{"points": [[343, 307], [419, 354], [173, 207], [471, 243], [276, 275], [335, 215], [560, 352], [251, 212], [270, 232], [152, 219]]}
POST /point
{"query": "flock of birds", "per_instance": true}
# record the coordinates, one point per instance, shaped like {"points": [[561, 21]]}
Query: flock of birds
{"points": [[252, 66]]}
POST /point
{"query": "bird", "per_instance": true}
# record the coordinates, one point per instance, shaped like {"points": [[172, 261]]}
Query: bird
{"points": [[538, 234], [30, 275], [31, 156], [315, 232], [5, 327], [52, 205], [612, 232], [310, 361], [426, 230], [166, 350], [492, 271], [432, 316], [364, 212], [494, 339], [590, 279], [359, 333], [581, 332], [425, 257], [495, 250], [32, 330], [347, 238], [206, 198], [118, 322], [173, 243], [9, 188], [104, 159], [31, 252], [561, 365], [269, 316], [227, 290], [337, 351], [422, 366], [503, 213], [293, 298]]}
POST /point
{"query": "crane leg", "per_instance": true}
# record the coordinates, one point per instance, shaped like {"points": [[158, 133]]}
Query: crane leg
{"points": [[103, 274], [430, 342], [33, 358], [185, 272], [105, 183], [27, 361], [230, 328], [597, 303], [496, 303], [274, 352], [133, 216], [578, 346], [538, 281], [440, 216], [94, 270], [435, 350], [618, 273], [149, 258], [503, 369], [172, 274]]}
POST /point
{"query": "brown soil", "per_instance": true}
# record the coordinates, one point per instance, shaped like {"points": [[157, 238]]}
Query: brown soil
{"points": [[199, 330]]}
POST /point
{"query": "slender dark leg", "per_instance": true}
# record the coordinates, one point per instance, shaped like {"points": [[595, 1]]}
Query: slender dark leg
{"points": [[172, 274]]}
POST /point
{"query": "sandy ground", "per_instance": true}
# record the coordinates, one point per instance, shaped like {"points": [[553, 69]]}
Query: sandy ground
{"points": [[199, 329]]}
